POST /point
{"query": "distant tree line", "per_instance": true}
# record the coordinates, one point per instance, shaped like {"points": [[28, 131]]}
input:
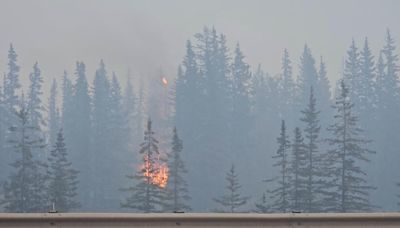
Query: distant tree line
{"points": [[75, 155]]}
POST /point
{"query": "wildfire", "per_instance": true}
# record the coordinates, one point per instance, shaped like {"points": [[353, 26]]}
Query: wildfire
{"points": [[160, 177], [164, 81]]}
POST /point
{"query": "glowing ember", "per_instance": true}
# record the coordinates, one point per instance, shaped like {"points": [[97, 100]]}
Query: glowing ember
{"points": [[160, 177], [164, 81]]}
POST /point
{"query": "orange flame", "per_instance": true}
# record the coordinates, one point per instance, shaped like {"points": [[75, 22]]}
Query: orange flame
{"points": [[160, 177], [164, 81]]}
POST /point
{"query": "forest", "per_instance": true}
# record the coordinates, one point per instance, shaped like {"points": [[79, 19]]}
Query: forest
{"points": [[221, 136]]}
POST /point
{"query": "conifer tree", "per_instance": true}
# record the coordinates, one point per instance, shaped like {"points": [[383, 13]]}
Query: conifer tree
{"points": [[11, 82], [281, 194], [349, 187], [308, 76], [54, 119], [299, 172], [324, 95], [177, 192], [241, 100], [25, 190], [368, 97], [145, 196], [35, 106], [80, 132], [232, 200], [287, 90], [262, 206], [312, 129], [352, 72], [62, 178]]}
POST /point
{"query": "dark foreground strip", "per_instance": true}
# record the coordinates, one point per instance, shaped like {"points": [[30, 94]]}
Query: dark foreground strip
{"points": [[200, 220]]}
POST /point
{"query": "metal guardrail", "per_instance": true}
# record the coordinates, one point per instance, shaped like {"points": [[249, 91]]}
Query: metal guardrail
{"points": [[111, 220]]}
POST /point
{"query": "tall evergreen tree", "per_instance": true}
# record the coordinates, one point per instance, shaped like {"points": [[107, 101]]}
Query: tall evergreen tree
{"points": [[35, 106], [80, 136], [62, 178], [350, 190], [25, 190], [368, 94], [129, 104], [177, 188], [241, 110], [324, 95], [308, 76], [281, 194], [146, 196], [299, 172], [312, 129], [232, 200], [11, 83], [287, 90], [54, 119], [352, 72]]}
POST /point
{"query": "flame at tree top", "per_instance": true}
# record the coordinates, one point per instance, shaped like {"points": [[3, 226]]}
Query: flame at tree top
{"points": [[164, 81]]}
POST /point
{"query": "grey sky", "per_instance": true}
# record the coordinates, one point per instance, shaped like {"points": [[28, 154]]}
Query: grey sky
{"points": [[148, 35]]}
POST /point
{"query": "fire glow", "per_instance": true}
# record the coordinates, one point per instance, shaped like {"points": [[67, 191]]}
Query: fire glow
{"points": [[164, 81], [160, 176]]}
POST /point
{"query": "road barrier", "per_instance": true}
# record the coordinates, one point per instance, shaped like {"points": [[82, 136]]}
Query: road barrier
{"points": [[110, 220]]}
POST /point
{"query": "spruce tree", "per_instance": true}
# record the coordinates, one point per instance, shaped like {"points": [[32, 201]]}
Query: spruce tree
{"points": [[80, 133], [35, 106], [287, 90], [232, 200], [177, 192], [352, 72], [308, 76], [241, 110], [11, 82], [312, 129], [281, 193], [25, 190], [299, 172], [349, 187], [62, 178], [368, 97], [262, 205], [54, 119], [146, 196]]}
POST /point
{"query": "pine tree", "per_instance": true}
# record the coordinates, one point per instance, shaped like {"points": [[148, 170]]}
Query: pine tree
{"points": [[129, 108], [177, 192], [368, 97], [352, 72], [80, 132], [281, 194], [262, 206], [308, 76], [25, 190], [11, 83], [241, 110], [312, 129], [146, 196], [35, 106], [287, 90], [54, 119], [299, 172], [232, 200], [350, 190], [324, 95], [62, 178]]}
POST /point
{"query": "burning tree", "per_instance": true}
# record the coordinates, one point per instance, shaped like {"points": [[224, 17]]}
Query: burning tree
{"points": [[146, 196]]}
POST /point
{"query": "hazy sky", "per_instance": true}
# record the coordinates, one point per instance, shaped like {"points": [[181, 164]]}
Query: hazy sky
{"points": [[147, 35]]}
